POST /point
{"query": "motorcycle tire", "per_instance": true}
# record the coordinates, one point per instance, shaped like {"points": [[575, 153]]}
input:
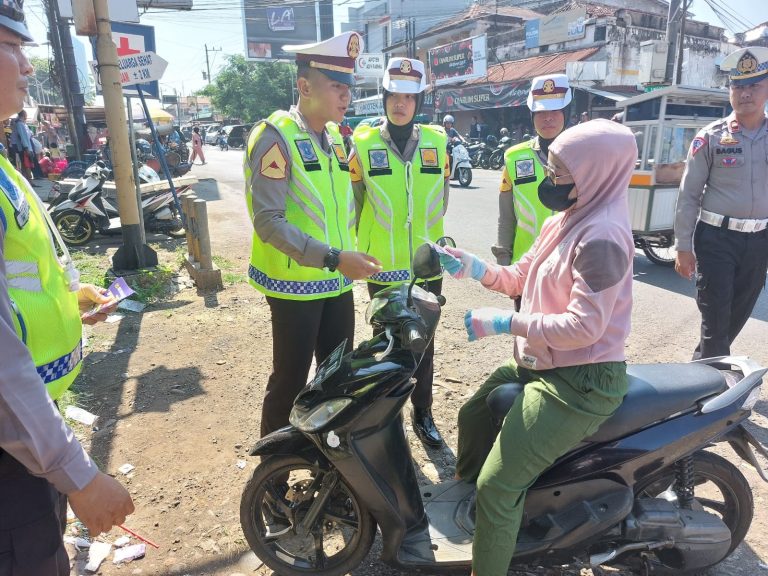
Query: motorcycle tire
{"points": [[75, 228], [465, 176], [660, 256], [270, 494], [736, 510], [485, 162], [496, 161]]}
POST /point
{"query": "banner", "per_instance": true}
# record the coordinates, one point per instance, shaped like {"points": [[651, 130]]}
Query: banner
{"points": [[480, 97], [556, 28], [458, 61]]}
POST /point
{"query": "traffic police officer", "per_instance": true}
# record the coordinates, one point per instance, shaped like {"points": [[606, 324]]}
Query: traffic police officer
{"points": [[401, 181], [40, 332], [300, 200], [521, 214], [722, 207]]}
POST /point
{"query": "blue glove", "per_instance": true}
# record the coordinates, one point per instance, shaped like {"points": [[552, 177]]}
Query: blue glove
{"points": [[461, 264], [483, 322]]}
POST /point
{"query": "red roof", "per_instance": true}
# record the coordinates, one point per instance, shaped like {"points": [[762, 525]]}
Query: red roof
{"points": [[535, 66], [481, 11]]}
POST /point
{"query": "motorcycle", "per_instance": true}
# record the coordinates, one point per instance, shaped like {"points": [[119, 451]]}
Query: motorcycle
{"points": [[641, 493], [479, 155], [84, 211], [496, 161], [223, 143], [461, 167]]}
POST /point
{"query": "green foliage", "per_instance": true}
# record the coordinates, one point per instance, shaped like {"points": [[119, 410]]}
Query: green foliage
{"points": [[93, 268], [252, 90], [229, 273], [44, 84]]}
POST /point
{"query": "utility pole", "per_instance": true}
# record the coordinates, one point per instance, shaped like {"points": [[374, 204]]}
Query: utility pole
{"points": [[673, 32], [681, 42], [207, 62], [134, 253]]}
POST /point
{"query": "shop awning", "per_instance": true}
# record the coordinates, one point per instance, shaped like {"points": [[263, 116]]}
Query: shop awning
{"points": [[615, 95]]}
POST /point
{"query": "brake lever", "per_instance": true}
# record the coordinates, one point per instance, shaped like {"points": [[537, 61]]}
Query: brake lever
{"points": [[379, 356]]}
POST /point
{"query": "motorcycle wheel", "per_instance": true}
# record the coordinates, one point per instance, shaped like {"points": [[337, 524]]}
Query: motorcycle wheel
{"points": [[279, 495], [465, 176], [496, 161], [485, 162], [660, 256], [75, 227], [720, 489]]}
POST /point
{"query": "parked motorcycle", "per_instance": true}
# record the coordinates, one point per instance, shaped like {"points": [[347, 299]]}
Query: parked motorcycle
{"points": [[641, 493], [479, 155], [461, 167], [84, 211], [496, 161]]}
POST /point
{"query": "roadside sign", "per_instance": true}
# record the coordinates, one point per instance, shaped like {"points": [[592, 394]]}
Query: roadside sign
{"points": [[370, 65], [140, 68], [133, 39]]}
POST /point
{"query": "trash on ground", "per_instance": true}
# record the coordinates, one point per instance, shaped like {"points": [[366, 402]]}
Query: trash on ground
{"points": [[112, 318], [97, 553], [241, 464], [80, 415], [132, 305], [122, 541], [126, 468], [129, 553], [78, 542]]}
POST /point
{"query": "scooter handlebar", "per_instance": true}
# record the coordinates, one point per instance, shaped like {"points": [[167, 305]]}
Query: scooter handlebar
{"points": [[413, 338]]}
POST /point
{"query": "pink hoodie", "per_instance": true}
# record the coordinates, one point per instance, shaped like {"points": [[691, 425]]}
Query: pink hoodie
{"points": [[576, 281]]}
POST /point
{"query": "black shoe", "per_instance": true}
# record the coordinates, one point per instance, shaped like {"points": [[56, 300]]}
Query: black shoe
{"points": [[424, 426]]}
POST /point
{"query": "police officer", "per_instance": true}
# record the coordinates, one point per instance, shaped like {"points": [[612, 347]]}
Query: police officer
{"points": [[401, 181], [722, 207], [300, 200], [40, 331], [521, 214]]}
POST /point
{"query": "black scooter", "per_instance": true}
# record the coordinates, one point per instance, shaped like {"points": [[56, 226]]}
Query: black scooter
{"points": [[642, 493]]}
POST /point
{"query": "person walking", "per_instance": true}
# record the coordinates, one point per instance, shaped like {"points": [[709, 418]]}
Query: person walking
{"points": [[197, 146]]}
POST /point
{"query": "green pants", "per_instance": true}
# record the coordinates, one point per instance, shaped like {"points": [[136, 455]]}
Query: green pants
{"points": [[557, 409]]}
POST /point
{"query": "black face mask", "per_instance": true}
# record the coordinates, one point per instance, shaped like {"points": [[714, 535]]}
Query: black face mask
{"points": [[555, 196]]}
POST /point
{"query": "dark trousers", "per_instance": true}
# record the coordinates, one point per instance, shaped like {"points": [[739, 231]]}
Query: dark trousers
{"points": [[32, 514], [424, 375], [730, 274], [301, 330]]}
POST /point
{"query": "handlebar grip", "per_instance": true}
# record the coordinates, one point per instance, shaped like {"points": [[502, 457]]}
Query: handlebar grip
{"points": [[413, 338]]}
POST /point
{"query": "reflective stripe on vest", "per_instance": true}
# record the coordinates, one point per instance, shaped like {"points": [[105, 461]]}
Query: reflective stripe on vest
{"points": [[320, 202], [404, 201], [529, 211], [46, 312]]}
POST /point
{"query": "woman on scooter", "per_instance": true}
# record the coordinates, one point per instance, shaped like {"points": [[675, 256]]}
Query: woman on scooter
{"points": [[576, 288], [400, 178]]}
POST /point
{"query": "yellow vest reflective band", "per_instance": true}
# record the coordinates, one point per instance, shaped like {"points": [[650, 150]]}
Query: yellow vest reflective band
{"points": [[46, 313], [320, 202], [404, 201], [526, 172]]}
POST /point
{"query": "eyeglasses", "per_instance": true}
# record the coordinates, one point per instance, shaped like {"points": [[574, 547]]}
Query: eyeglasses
{"points": [[550, 171]]}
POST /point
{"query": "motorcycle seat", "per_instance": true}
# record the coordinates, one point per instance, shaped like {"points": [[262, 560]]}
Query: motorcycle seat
{"points": [[656, 391]]}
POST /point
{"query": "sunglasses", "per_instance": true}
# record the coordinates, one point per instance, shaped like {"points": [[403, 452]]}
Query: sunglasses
{"points": [[550, 171]]}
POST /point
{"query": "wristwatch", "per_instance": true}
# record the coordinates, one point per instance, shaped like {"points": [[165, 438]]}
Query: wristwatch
{"points": [[331, 260]]}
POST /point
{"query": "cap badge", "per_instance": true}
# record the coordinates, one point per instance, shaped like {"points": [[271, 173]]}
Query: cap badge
{"points": [[548, 87], [747, 64], [353, 46], [405, 66]]}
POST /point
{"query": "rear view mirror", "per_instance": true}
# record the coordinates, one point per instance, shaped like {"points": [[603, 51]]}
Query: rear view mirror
{"points": [[446, 241], [426, 262]]}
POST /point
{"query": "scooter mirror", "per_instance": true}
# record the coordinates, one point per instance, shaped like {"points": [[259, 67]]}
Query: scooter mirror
{"points": [[446, 241], [426, 262]]}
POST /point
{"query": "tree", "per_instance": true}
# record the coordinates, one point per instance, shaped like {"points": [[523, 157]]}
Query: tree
{"points": [[44, 85], [252, 90]]}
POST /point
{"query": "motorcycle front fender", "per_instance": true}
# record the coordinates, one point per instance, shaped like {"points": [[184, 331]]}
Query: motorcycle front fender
{"points": [[464, 164], [287, 441], [66, 205]]}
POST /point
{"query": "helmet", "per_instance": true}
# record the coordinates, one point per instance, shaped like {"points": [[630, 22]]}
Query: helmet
{"points": [[448, 118], [550, 92], [12, 18], [504, 132]]}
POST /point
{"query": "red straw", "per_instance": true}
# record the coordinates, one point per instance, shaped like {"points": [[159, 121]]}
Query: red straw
{"points": [[132, 533]]}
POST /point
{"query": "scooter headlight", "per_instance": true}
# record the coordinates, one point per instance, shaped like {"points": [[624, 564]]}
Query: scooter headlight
{"points": [[376, 304], [320, 416]]}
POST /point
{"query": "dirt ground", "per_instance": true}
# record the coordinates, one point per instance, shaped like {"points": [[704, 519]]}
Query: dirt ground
{"points": [[178, 390]]}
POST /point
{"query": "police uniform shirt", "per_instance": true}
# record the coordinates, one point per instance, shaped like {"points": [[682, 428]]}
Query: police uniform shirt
{"points": [[269, 194], [726, 173], [356, 171]]}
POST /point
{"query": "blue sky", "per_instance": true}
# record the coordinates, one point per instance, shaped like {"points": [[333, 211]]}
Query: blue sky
{"points": [[181, 36]]}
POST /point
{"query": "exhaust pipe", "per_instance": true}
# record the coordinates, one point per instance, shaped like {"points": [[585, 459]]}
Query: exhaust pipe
{"points": [[604, 557]]}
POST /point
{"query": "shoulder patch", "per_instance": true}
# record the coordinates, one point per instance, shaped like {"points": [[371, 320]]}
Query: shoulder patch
{"points": [[355, 170], [506, 183], [697, 144], [273, 163]]}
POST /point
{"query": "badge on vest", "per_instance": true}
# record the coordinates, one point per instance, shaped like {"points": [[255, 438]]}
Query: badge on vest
{"points": [[379, 160], [341, 157], [524, 168], [727, 138], [308, 154], [429, 157], [17, 199]]}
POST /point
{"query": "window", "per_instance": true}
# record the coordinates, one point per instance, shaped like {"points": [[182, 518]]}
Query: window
{"points": [[600, 33]]}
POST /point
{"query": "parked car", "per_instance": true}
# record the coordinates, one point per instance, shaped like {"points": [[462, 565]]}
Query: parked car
{"points": [[237, 134]]}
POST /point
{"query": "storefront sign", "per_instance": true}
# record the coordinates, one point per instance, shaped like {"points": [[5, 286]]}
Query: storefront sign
{"points": [[370, 65], [458, 61], [480, 97], [556, 28]]}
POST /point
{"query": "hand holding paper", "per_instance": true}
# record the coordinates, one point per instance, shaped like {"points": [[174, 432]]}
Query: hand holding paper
{"points": [[96, 303]]}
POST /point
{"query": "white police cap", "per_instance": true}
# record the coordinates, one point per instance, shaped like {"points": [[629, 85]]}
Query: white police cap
{"points": [[550, 92], [334, 57], [405, 76], [746, 65]]}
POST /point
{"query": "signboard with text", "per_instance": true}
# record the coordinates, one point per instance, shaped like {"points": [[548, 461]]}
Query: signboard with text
{"points": [[556, 28], [141, 68], [119, 10], [370, 65], [132, 39], [458, 61], [481, 97]]}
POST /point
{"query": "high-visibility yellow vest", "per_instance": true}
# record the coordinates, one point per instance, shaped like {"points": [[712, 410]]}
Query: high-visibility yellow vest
{"points": [[526, 173], [404, 201], [41, 288], [320, 202]]}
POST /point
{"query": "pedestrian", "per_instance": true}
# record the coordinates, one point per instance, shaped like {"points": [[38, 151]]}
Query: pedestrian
{"points": [[722, 207], [401, 181], [22, 138], [474, 129], [569, 336], [521, 213], [197, 146], [300, 200], [40, 354]]}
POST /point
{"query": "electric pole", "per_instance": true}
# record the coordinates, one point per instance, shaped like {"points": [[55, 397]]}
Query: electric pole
{"points": [[134, 253], [207, 62], [673, 32], [681, 42]]}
